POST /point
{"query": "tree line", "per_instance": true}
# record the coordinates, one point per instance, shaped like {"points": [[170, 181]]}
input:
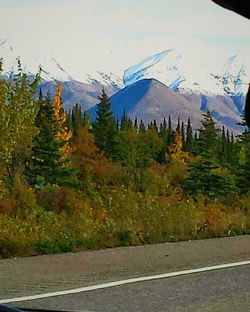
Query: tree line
{"points": [[41, 144], [69, 182]]}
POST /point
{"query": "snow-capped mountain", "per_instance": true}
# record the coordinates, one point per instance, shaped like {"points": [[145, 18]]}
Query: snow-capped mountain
{"points": [[178, 69], [214, 84], [52, 69], [191, 73], [86, 95], [149, 99]]}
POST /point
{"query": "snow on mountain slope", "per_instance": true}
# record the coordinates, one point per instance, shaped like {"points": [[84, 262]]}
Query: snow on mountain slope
{"points": [[185, 72], [106, 79], [149, 99], [216, 84], [183, 69], [52, 69]]}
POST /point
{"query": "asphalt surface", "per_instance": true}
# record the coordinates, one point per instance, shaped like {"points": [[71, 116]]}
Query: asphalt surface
{"points": [[222, 290]]}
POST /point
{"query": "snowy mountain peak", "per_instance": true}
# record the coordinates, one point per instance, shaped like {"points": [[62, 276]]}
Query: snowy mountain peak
{"points": [[52, 69], [184, 72], [106, 79], [140, 70]]}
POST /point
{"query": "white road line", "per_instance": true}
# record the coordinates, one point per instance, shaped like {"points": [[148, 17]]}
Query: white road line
{"points": [[126, 281]]}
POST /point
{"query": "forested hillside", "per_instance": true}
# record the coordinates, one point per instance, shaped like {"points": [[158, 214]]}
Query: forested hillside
{"points": [[68, 183]]}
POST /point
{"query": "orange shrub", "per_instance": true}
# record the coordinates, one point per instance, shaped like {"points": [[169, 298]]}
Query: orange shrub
{"points": [[62, 199]]}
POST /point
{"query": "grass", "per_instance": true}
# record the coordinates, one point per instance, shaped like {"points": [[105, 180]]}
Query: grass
{"points": [[119, 217]]}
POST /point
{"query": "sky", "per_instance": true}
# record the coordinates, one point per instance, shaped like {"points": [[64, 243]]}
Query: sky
{"points": [[111, 35]]}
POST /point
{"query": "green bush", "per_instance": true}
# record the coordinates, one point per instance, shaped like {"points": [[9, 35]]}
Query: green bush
{"points": [[118, 217], [124, 237]]}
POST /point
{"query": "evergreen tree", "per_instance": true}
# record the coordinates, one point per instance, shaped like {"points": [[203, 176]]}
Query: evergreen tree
{"points": [[69, 121], [224, 147], [48, 166], [227, 153], [209, 179], [130, 123], [117, 125], [104, 127], [136, 123], [155, 126], [86, 120], [150, 125], [76, 120], [142, 127], [183, 135], [243, 168], [170, 132], [228, 136], [163, 133], [169, 124], [178, 128], [208, 140], [206, 176], [189, 137], [232, 138], [163, 129], [124, 120]]}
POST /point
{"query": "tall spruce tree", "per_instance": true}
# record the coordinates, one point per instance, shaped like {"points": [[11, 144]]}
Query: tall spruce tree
{"points": [[178, 128], [183, 135], [142, 127], [163, 133], [208, 140], [155, 126], [86, 122], [225, 148], [48, 166], [170, 132], [163, 129], [136, 123], [243, 168], [126, 122], [104, 127], [76, 120], [206, 175], [189, 137]]}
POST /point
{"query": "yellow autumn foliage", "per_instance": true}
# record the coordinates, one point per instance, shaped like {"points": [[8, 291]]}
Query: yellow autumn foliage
{"points": [[64, 134], [176, 151]]}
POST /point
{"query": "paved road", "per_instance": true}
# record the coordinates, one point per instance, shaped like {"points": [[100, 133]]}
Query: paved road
{"points": [[222, 291], [42, 274]]}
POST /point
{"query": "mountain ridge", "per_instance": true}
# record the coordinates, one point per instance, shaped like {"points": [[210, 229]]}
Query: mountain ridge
{"points": [[180, 71], [149, 99], [227, 105]]}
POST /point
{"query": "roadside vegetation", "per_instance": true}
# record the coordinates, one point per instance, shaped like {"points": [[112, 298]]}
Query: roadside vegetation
{"points": [[67, 183]]}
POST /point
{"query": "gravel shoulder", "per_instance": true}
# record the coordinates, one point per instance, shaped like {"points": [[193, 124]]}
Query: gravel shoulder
{"points": [[47, 273]]}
